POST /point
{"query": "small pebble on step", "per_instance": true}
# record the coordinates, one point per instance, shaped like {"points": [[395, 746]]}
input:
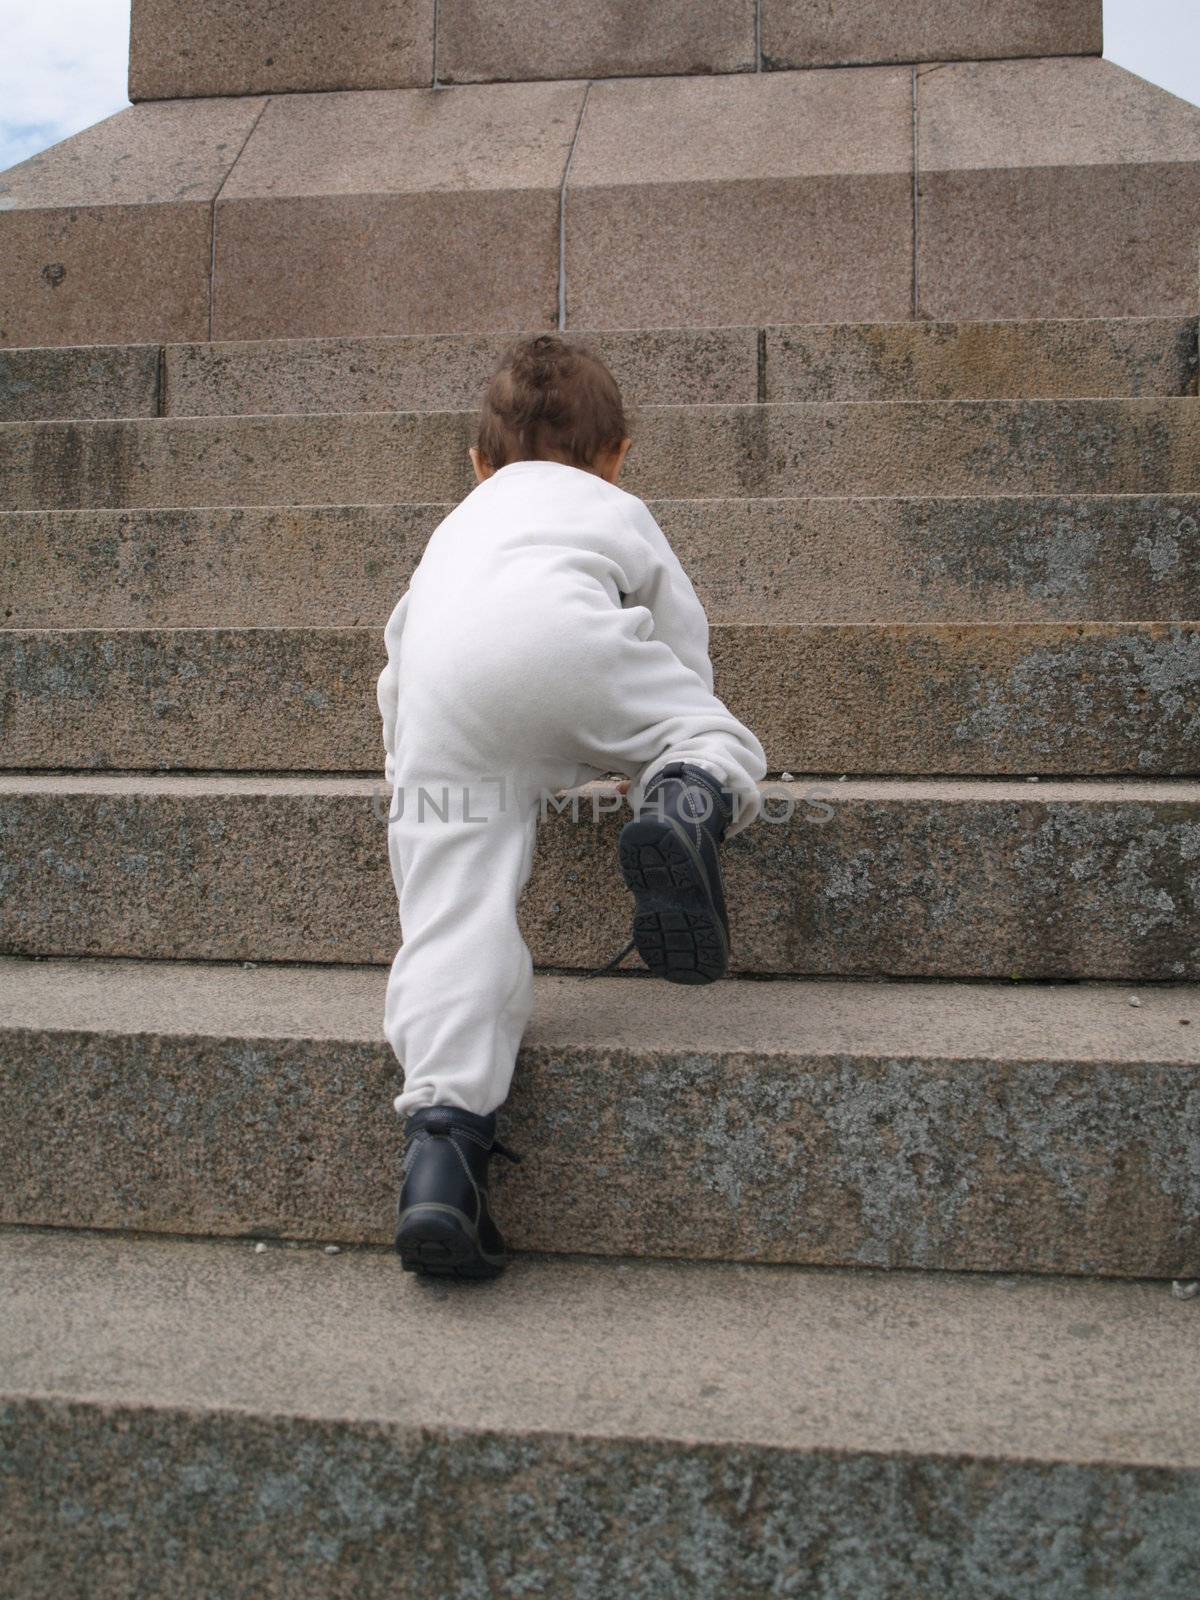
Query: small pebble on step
{"points": [[1185, 1291], [333, 1249], [1135, 1002], [259, 1248]]}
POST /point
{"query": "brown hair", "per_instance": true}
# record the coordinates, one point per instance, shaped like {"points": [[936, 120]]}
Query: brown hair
{"points": [[550, 400]]}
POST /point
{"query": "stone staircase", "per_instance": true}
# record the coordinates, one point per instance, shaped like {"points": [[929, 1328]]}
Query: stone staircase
{"points": [[192, 827], [953, 571]]}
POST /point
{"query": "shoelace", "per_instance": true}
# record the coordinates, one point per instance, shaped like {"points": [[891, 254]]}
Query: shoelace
{"points": [[615, 962], [497, 1147]]}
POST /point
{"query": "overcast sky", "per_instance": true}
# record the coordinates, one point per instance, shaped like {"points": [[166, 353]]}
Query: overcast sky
{"points": [[64, 61]]}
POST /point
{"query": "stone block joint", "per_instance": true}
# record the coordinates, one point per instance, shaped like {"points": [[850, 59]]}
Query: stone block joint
{"points": [[212, 259], [916, 197], [562, 212]]}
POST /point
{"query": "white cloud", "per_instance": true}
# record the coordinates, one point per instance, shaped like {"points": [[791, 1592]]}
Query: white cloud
{"points": [[63, 64]]}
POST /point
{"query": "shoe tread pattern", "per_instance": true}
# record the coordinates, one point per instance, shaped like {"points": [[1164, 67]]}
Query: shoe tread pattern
{"points": [[676, 933], [437, 1246]]}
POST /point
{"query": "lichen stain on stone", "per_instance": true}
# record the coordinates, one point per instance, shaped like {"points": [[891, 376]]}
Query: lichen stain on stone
{"points": [[914, 869], [52, 669], [593, 1517], [1053, 552], [1127, 855], [900, 1162], [850, 880], [1162, 552], [1063, 557], [912, 1184], [734, 1144], [1137, 694], [1083, 1128], [66, 868]]}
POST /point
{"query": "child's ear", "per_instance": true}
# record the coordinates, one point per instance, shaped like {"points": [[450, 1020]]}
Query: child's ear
{"points": [[612, 466], [482, 470]]}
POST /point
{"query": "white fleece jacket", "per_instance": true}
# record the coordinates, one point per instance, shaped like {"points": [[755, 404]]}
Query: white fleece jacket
{"points": [[532, 527]]}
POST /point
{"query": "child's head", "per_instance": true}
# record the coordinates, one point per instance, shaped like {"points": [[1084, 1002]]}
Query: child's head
{"points": [[550, 400]]}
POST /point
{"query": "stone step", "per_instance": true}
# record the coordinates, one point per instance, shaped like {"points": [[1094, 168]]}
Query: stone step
{"points": [[1046, 698], [654, 366], [873, 1124], [1053, 188], [810, 34], [951, 878], [233, 49], [868, 448], [1060, 187], [980, 360], [196, 1417], [794, 561], [45, 382], [106, 238]]}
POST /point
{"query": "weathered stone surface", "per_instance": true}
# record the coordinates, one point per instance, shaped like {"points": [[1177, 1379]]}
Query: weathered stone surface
{"points": [[84, 381], [257, 699], [1055, 188], [274, 566], [66, 277], [591, 1520], [145, 155], [980, 360], [1105, 116], [401, 211], [106, 238], [1058, 698], [196, 461], [336, 264], [813, 33], [274, 46], [945, 1126], [926, 447], [742, 199], [992, 559], [858, 878], [655, 1430], [665, 366], [485, 39], [799, 561]]}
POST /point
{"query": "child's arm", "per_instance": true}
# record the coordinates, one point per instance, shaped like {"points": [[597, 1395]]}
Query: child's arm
{"points": [[388, 689], [666, 590]]}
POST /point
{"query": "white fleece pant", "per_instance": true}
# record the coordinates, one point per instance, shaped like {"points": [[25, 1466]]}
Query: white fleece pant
{"points": [[543, 699]]}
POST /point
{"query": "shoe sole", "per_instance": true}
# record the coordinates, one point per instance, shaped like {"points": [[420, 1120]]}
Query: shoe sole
{"points": [[678, 931], [440, 1242]]}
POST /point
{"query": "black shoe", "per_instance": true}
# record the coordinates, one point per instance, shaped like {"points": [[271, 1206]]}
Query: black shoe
{"points": [[669, 859], [444, 1227]]}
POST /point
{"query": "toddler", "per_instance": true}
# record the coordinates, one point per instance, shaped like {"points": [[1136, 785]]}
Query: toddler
{"points": [[548, 637]]}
